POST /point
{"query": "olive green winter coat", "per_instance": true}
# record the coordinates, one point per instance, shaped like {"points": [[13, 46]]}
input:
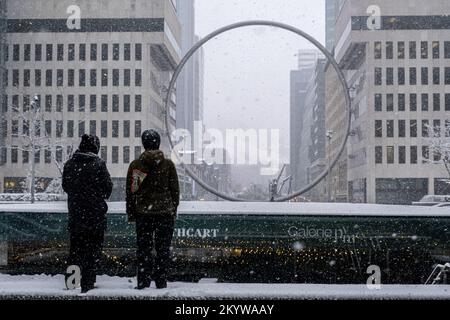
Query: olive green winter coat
{"points": [[152, 186]]}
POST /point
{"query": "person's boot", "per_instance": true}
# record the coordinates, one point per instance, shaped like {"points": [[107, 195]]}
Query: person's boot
{"points": [[161, 284]]}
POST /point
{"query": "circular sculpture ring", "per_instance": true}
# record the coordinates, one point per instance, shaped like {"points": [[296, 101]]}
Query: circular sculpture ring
{"points": [[299, 32]]}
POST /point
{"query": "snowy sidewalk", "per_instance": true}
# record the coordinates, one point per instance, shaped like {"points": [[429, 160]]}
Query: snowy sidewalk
{"points": [[48, 287]]}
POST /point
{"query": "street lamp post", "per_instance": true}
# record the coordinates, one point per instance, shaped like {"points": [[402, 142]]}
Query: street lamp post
{"points": [[34, 109], [330, 134]]}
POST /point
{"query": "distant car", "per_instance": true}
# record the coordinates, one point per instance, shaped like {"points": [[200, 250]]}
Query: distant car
{"points": [[432, 200], [442, 205]]}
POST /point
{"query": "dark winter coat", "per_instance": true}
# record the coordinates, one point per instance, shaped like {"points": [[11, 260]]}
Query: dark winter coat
{"points": [[152, 186], [88, 184]]}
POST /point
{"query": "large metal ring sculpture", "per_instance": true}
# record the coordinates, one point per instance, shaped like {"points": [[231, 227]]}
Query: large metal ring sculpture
{"points": [[270, 24]]}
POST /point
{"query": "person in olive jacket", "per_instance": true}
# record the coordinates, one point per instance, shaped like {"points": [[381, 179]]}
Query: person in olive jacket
{"points": [[152, 196], [88, 184]]}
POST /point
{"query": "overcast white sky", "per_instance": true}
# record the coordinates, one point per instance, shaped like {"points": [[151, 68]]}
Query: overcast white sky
{"points": [[247, 70]]}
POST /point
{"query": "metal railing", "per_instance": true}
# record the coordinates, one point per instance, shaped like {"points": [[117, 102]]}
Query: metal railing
{"points": [[439, 274]]}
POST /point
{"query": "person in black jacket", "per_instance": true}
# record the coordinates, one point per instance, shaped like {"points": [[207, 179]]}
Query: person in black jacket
{"points": [[153, 196], [87, 182]]}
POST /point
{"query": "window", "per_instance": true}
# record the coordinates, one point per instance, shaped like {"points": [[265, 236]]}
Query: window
{"points": [[413, 102], [447, 102], [71, 52], [390, 154], [59, 128], [138, 52], [378, 129], [5, 78], [115, 155], [401, 102], [126, 128], [390, 128], [425, 154], [436, 76], [116, 77], [93, 127], [447, 128], [49, 52], [37, 78], [15, 103], [137, 152], [425, 126], [137, 129], [26, 77], [390, 76], [126, 154], [447, 75], [412, 76], [378, 155], [82, 103], [82, 78], [59, 154], [401, 76], [126, 103], [70, 129], [116, 52], [4, 104], [104, 153], [377, 50], [60, 52], [15, 78], [389, 102], [401, 128], [138, 78], [127, 52], [138, 103], [436, 102], [115, 103], [60, 77], [71, 77], [104, 103], [436, 49], [401, 50], [425, 102], [37, 156], [14, 154], [38, 52], [15, 128], [104, 77], [401, 154], [82, 52], [437, 128], [16, 52], [70, 103], [104, 52], [424, 50], [93, 78], [48, 128], [389, 50], [93, 52], [27, 52], [104, 129], [378, 76], [412, 50], [48, 103], [424, 76], [413, 128], [6, 52], [127, 77], [25, 156], [59, 103], [447, 49], [81, 129], [93, 103], [115, 129]]}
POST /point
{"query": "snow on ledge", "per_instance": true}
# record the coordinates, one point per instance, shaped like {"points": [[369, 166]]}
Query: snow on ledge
{"points": [[46, 287], [256, 208]]}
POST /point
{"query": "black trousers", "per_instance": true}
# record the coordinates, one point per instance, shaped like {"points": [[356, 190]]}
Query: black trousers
{"points": [[153, 233], [85, 252]]}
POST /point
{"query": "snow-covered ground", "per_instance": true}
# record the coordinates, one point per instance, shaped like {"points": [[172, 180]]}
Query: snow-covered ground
{"points": [[52, 287]]}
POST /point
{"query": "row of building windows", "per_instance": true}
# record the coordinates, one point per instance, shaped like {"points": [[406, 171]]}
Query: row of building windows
{"points": [[436, 78], [49, 128], [426, 130], [61, 77], [387, 103], [391, 158], [427, 49], [56, 154], [71, 52], [58, 103]]}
